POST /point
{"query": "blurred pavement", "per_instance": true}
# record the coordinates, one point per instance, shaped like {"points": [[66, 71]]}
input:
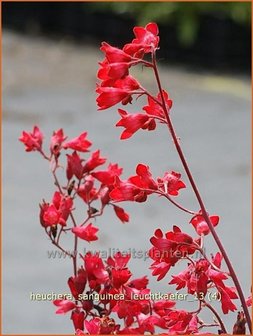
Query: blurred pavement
{"points": [[51, 83]]}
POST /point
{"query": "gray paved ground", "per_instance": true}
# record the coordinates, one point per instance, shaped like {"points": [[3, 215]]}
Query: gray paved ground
{"points": [[51, 83]]}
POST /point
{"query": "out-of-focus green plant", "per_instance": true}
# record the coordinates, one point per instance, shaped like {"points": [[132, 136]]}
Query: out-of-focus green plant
{"points": [[184, 15]]}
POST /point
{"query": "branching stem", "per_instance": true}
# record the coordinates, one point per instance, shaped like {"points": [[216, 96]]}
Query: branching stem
{"points": [[198, 196]]}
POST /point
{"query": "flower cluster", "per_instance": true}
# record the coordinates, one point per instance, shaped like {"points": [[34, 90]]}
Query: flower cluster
{"points": [[105, 291], [138, 187], [168, 249], [107, 287], [83, 181], [56, 212], [203, 275], [117, 85]]}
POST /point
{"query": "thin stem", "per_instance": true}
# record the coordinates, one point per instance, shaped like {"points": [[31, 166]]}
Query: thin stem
{"points": [[74, 257], [151, 96], [209, 325], [43, 154], [216, 315], [75, 246], [178, 205], [58, 246], [59, 235], [190, 259], [161, 193], [162, 120], [148, 64], [199, 198], [196, 312], [211, 263], [57, 183], [90, 216]]}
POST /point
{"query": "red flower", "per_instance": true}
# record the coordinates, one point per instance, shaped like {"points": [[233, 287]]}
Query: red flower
{"points": [[119, 260], [113, 70], [128, 309], [107, 177], [94, 161], [56, 141], [43, 208], [171, 183], [121, 214], [195, 277], [198, 276], [200, 225], [140, 283], [181, 279], [78, 319], [216, 260], [249, 301], [33, 140], [113, 92], [148, 323], [199, 279], [154, 109], [120, 277], [126, 191], [226, 293], [87, 233], [86, 191], [103, 71], [181, 322], [146, 40], [115, 55], [92, 326], [74, 166], [77, 283], [95, 269], [64, 204], [175, 239], [110, 72], [159, 269], [144, 178], [104, 326], [169, 249], [57, 212], [116, 63], [136, 188], [163, 306], [80, 143], [65, 306], [132, 123], [51, 216]]}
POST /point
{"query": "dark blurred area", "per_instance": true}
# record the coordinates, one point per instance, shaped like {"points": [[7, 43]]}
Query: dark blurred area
{"points": [[214, 36]]}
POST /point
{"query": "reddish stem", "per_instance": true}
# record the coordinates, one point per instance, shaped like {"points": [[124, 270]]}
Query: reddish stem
{"points": [[209, 325], [161, 193], [57, 245], [75, 246], [177, 204], [59, 235], [199, 198], [211, 263], [43, 154], [216, 315], [74, 257]]}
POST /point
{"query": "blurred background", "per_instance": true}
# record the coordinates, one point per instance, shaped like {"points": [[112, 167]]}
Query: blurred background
{"points": [[50, 60], [209, 34]]}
